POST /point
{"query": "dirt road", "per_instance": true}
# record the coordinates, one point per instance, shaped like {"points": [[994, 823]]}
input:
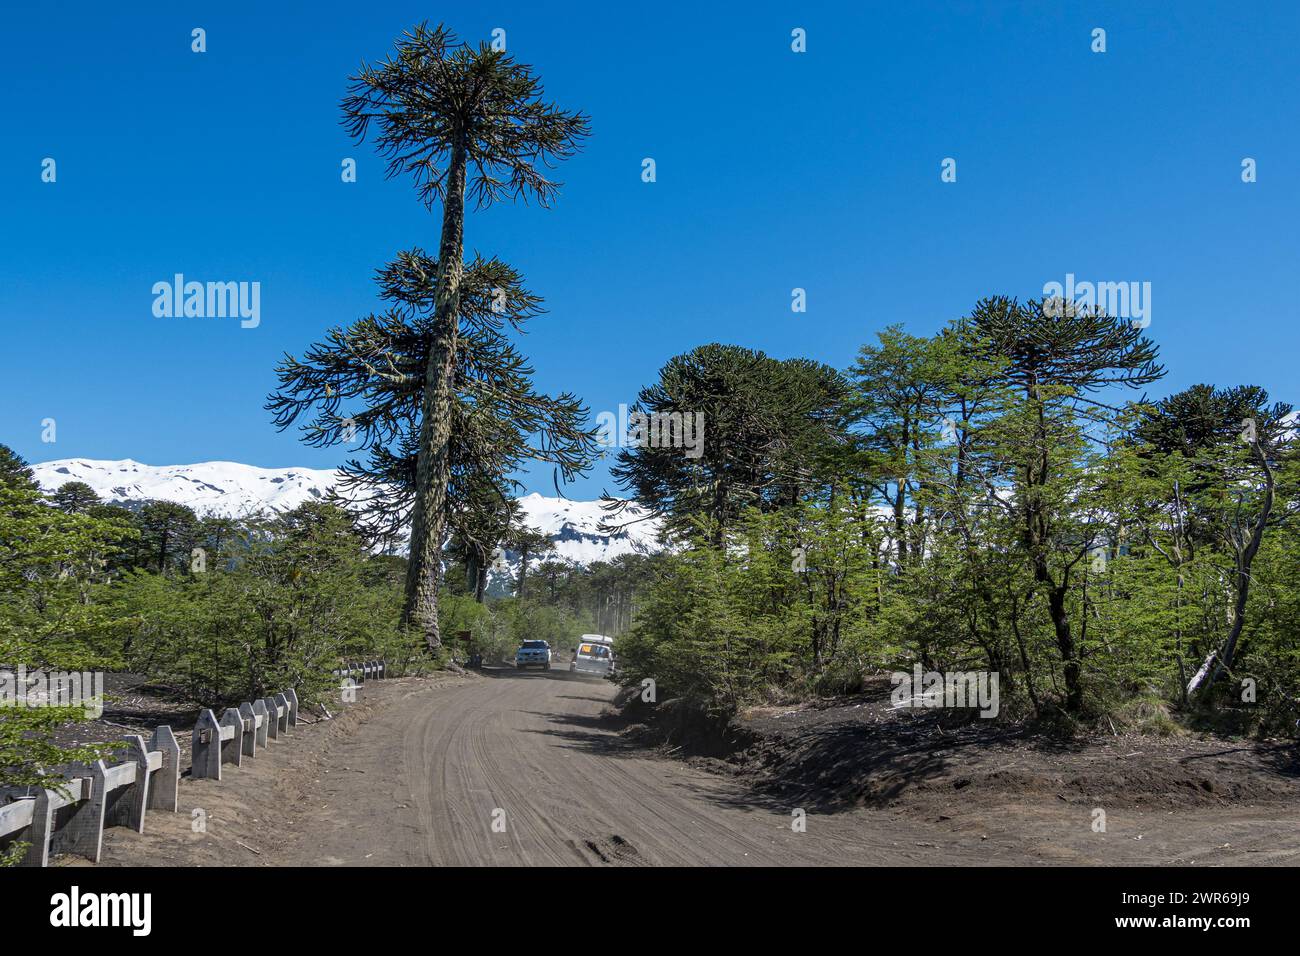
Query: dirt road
{"points": [[518, 769]]}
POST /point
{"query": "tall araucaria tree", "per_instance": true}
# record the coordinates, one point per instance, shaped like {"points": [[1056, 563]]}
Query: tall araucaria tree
{"points": [[365, 386], [1062, 361], [462, 121], [529, 543]]}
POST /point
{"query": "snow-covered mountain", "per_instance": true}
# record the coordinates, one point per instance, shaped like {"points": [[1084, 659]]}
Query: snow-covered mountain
{"points": [[224, 488], [574, 527], [229, 489]]}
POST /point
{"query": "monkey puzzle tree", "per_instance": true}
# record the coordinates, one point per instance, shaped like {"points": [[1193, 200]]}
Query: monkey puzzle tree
{"points": [[74, 497], [764, 430], [14, 470], [479, 524], [1061, 361], [1233, 442], [462, 121], [365, 385], [167, 534], [529, 543]]}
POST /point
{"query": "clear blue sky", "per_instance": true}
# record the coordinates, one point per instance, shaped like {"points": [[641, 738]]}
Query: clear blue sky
{"points": [[775, 170]]}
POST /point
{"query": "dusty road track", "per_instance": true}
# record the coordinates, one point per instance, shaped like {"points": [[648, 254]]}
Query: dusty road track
{"points": [[528, 747], [413, 776]]}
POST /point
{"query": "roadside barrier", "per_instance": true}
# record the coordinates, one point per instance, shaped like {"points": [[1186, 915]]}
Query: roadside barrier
{"points": [[70, 817], [367, 670]]}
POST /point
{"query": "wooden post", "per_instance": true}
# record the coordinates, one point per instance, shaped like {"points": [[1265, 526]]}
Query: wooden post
{"points": [[38, 853], [17, 817]]}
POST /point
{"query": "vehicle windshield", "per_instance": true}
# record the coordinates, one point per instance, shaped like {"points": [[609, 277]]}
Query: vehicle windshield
{"points": [[534, 646], [593, 650]]}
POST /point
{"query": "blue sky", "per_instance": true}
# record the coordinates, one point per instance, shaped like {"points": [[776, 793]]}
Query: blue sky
{"points": [[775, 170]]}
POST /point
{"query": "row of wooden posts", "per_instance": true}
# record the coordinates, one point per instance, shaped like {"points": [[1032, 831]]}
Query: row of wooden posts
{"points": [[70, 818]]}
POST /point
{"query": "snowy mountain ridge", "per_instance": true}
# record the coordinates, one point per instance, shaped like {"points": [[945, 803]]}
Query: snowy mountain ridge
{"points": [[231, 489]]}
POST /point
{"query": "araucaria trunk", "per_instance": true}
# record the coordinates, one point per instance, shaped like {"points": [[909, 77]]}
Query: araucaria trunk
{"points": [[433, 461]]}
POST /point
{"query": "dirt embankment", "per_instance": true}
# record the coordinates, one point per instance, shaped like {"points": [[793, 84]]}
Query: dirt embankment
{"points": [[840, 754]]}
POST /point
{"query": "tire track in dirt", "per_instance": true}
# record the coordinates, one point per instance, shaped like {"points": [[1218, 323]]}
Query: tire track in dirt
{"points": [[532, 745]]}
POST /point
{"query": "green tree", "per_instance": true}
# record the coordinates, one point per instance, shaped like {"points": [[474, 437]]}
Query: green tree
{"points": [[1062, 361], [14, 469], [461, 121], [766, 427], [1234, 441], [299, 595], [168, 532], [51, 567], [75, 497], [900, 386], [528, 543]]}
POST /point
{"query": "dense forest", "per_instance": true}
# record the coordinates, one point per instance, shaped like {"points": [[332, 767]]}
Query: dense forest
{"points": [[1000, 496]]}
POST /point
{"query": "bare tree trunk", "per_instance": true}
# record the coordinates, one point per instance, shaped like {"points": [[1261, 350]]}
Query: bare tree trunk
{"points": [[1024, 657], [471, 569], [719, 507], [900, 522], [1220, 660], [523, 569], [1071, 669], [432, 467], [1036, 537]]}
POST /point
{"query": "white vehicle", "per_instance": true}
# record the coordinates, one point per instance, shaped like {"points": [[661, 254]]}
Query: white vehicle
{"points": [[593, 655], [533, 654]]}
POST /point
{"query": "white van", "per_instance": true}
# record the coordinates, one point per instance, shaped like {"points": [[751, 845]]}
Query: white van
{"points": [[593, 655]]}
